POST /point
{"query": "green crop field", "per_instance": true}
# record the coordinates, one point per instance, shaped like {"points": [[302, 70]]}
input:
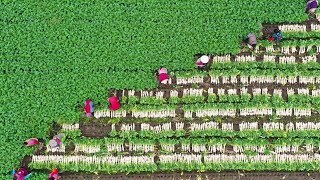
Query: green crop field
{"points": [[56, 54]]}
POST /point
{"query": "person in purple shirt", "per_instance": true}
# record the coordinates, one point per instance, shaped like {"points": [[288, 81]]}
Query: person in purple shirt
{"points": [[312, 6]]}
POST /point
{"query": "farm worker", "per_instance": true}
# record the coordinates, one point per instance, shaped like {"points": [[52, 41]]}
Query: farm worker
{"points": [[89, 106], [312, 6], [54, 175], [114, 103], [277, 35], [202, 61], [56, 141], [163, 75], [31, 142], [22, 174], [252, 41]]}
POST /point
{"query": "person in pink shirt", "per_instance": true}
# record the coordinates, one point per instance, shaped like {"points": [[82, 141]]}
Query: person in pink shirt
{"points": [[114, 103], [163, 75], [203, 61], [21, 174], [31, 142], [56, 141]]}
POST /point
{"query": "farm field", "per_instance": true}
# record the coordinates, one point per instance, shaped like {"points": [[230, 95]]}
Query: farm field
{"points": [[250, 111]]}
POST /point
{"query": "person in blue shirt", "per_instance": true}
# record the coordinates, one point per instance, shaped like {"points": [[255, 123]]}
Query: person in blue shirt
{"points": [[277, 35]]}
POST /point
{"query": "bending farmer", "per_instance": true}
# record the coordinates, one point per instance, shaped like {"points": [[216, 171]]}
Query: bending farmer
{"points": [[163, 75], [251, 40], [312, 6], [203, 61], [22, 174]]}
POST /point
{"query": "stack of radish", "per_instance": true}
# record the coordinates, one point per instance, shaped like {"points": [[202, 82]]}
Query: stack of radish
{"points": [[308, 59], [248, 126], [227, 126], [277, 92], [273, 126], [111, 114], [145, 148], [287, 60], [192, 92], [302, 112], [255, 112], [315, 92], [303, 91], [180, 158], [221, 59], [154, 114], [70, 127], [261, 79], [204, 126], [191, 80], [293, 28], [86, 148], [267, 58], [306, 80], [245, 58]]}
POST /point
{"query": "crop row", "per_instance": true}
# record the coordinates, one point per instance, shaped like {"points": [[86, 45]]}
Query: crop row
{"points": [[249, 76], [219, 95], [186, 162], [197, 145], [214, 129], [241, 59]]}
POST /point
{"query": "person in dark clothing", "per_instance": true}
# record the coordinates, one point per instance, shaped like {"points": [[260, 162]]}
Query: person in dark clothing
{"points": [[277, 36], [312, 6]]}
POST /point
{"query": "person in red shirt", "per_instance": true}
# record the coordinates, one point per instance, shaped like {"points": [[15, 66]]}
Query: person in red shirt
{"points": [[114, 103], [89, 107], [163, 75], [31, 142], [54, 175]]}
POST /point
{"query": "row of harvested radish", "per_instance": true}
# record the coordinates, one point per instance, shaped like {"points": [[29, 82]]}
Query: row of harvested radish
{"points": [[248, 126], [87, 148], [204, 126], [255, 112], [111, 114], [141, 147], [287, 59], [93, 159], [157, 128], [176, 158], [70, 127], [61, 148], [225, 126], [154, 114], [222, 158], [286, 149], [315, 27], [191, 80], [245, 58], [308, 59], [268, 58], [242, 149], [293, 28], [192, 92], [215, 112], [221, 59]]}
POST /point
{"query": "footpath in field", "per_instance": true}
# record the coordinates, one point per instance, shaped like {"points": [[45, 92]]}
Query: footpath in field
{"points": [[253, 111]]}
